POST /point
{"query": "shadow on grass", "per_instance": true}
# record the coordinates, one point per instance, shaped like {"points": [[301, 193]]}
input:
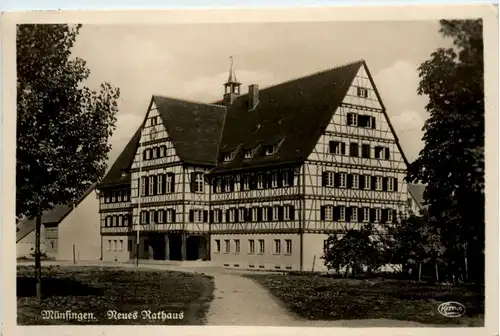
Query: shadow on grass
{"points": [[26, 287]]}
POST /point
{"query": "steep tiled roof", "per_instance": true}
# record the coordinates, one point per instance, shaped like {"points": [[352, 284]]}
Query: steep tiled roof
{"points": [[122, 163], [296, 112], [194, 128], [54, 216]]}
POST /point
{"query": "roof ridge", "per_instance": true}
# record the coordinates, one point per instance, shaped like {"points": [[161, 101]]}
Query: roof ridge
{"points": [[310, 75], [188, 100]]}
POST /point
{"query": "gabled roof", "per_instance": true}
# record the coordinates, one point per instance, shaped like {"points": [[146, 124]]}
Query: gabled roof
{"points": [[194, 128], [297, 112], [122, 163], [54, 216]]}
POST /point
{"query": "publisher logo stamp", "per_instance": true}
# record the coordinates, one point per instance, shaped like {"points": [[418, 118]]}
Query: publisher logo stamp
{"points": [[451, 309]]}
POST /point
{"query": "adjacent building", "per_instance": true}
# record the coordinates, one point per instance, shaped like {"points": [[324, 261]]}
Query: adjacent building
{"points": [[257, 180]]}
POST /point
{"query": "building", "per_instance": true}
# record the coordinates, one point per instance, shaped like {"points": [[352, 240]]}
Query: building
{"points": [[256, 180], [67, 232]]}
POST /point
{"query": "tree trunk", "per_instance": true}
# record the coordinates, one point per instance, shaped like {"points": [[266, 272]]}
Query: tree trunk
{"points": [[38, 262], [437, 272]]}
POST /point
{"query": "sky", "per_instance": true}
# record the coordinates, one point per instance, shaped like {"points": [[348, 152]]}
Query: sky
{"points": [[191, 61]]}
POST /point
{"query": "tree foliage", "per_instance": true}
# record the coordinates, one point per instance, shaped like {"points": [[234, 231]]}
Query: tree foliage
{"points": [[452, 162], [63, 127]]}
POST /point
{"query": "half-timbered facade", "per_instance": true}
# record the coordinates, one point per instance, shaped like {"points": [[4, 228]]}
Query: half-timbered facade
{"points": [[257, 180]]}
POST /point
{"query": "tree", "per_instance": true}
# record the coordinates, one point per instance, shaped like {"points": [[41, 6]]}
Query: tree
{"points": [[354, 250], [451, 163], [63, 127]]}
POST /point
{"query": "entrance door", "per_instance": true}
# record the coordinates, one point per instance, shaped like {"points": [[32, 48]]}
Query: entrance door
{"points": [[175, 246], [157, 242]]}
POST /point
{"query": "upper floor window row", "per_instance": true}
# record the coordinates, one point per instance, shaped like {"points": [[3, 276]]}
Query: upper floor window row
{"points": [[358, 181], [274, 179], [254, 214], [357, 214], [267, 149], [157, 184], [380, 152], [118, 220], [154, 152], [116, 196], [361, 120], [157, 216]]}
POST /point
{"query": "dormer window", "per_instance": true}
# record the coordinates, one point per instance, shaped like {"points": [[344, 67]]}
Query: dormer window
{"points": [[362, 92], [269, 150], [248, 154], [227, 157]]}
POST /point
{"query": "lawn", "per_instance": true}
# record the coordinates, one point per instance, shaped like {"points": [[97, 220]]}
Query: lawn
{"points": [[112, 295], [317, 297]]}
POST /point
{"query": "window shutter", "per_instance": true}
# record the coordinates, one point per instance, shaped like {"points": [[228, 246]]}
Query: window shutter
{"points": [[191, 215], [146, 181], [249, 215], [372, 215], [279, 176], [394, 215], [220, 215], [236, 215], [205, 216], [384, 215], [373, 181], [211, 219], [331, 146], [291, 176], [395, 184], [361, 215], [336, 213], [349, 118], [253, 182], [336, 179], [292, 212], [347, 212], [223, 184], [144, 154], [242, 179], [214, 185], [387, 153], [323, 178], [280, 212], [269, 213], [349, 180], [231, 181], [227, 215], [148, 217], [342, 148], [191, 184], [322, 212], [172, 182], [373, 123]]}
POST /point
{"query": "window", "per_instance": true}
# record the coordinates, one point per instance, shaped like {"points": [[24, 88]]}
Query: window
{"points": [[389, 215], [255, 214], [227, 246], [151, 185], [337, 147], [109, 245], [365, 151], [143, 186], [125, 196], [242, 215], [119, 196], [362, 92], [147, 154], [260, 181], [114, 245], [198, 216], [328, 212], [378, 182], [342, 213], [352, 119], [355, 181], [378, 215], [198, 182], [218, 185], [342, 180], [227, 185], [119, 220], [330, 179], [121, 245], [369, 122], [217, 246], [143, 218], [354, 214], [251, 246], [387, 153], [154, 121], [382, 153], [153, 153], [288, 246], [277, 246], [160, 217], [170, 184], [246, 182], [286, 212], [354, 149], [216, 215], [261, 246], [159, 184], [366, 214], [276, 213], [125, 220], [274, 180], [368, 182], [231, 215], [237, 246], [285, 177], [113, 197], [265, 214], [152, 216], [162, 151], [107, 198]]}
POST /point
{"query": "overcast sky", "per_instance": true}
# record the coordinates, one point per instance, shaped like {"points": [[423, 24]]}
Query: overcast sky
{"points": [[191, 61]]}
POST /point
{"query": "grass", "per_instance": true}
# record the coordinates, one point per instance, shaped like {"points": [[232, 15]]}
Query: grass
{"points": [[98, 290], [317, 297]]}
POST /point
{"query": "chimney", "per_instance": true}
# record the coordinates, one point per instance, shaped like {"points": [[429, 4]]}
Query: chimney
{"points": [[253, 96]]}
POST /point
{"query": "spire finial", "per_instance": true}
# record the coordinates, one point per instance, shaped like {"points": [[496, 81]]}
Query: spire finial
{"points": [[232, 75]]}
